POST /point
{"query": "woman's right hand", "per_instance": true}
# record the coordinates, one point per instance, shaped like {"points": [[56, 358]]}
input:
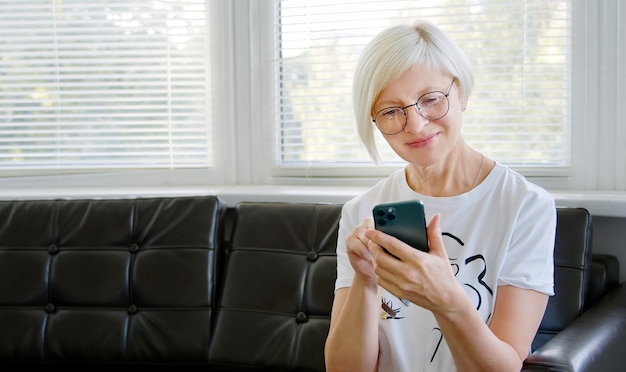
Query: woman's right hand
{"points": [[360, 257]]}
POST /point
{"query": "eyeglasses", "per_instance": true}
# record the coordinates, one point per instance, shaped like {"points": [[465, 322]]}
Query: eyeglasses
{"points": [[431, 106]]}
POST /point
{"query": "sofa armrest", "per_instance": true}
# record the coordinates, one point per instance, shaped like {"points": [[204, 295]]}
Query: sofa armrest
{"points": [[593, 342], [604, 277]]}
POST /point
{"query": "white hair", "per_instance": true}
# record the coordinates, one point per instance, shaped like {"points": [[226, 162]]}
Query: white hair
{"points": [[393, 51]]}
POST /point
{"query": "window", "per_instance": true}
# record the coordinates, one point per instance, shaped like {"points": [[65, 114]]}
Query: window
{"points": [[177, 93], [519, 112], [90, 86]]}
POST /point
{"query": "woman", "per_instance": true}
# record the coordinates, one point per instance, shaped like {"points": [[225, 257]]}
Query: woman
{"points": [[474, 301]]}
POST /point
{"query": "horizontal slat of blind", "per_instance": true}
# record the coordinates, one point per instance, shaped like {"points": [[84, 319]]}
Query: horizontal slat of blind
{"points": [[518, 112], [107, 84]]}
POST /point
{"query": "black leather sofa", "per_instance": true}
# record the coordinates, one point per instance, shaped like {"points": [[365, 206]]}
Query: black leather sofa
{"points": [[191, 283]]}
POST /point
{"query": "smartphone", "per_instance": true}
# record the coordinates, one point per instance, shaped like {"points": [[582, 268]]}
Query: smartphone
{"points": [[405, 220]]}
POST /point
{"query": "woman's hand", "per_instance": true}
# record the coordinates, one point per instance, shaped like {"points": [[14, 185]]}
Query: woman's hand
{"points": [[358, 252], [426, 279]]}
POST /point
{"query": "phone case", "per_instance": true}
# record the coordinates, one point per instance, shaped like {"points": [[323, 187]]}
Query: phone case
{"points": [[405, 220]]}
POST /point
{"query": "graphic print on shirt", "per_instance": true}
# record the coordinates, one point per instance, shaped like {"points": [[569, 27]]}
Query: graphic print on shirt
{"points": [[388, 311], [472, 269]]}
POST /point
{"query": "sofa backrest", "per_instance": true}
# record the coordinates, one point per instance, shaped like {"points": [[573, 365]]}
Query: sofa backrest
{"points": [[572, 270], [280, 270], [126, 280]]}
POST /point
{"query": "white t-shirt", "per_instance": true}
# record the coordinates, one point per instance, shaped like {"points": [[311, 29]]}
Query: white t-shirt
{"points": [[499, 233]]}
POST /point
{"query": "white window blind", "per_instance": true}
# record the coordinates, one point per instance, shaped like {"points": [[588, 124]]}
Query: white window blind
{"points": [[109, 84], [518, 114]]}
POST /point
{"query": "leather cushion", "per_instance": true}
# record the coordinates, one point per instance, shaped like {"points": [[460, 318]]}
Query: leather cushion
{"points": [[108, 280], [278, 288]]}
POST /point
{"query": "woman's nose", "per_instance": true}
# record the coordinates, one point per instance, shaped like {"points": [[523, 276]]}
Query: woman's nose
{"points": [[414, 120]]}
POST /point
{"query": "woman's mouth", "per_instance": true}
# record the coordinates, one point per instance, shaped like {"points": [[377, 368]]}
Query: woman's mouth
{"points": [[424, 141]]}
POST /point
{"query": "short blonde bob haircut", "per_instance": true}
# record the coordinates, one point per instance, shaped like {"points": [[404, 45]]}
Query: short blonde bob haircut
{"points": [[393, 51]]}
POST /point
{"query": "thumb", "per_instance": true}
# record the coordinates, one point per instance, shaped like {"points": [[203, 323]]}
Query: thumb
{"points": [[435, 240]]}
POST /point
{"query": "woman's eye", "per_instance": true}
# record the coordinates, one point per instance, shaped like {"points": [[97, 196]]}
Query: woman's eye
{"points": [[430, 100], [391, 111]]}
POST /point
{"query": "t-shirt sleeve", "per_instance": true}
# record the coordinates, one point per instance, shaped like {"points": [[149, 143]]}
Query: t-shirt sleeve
{"points": [[530, 259], [347, 223]]}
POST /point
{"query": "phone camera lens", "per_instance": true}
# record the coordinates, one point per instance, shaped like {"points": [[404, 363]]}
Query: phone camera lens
{"points": [[391, 214]]}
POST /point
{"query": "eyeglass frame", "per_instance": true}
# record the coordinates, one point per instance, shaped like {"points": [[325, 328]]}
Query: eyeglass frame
{"points": [[406, 117]]}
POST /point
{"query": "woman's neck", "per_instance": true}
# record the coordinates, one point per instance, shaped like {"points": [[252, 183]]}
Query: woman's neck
{"points": [[456, 174]]}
